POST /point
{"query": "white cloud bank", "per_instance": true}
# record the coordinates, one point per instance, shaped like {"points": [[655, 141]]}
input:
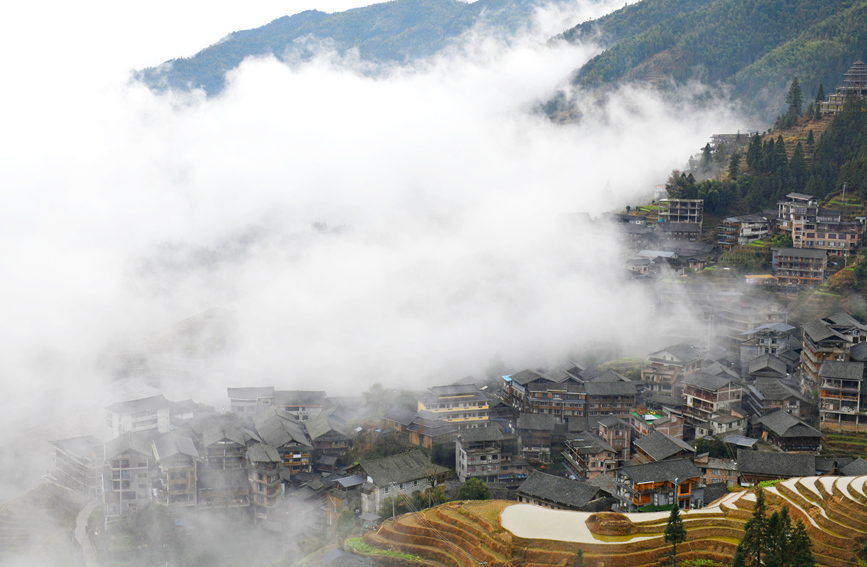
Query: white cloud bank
{"points": [[125, 212]]}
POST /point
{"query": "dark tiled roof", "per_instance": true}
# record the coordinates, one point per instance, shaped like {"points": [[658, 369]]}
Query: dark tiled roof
{"points": [[225, 427], [707, 381], [536, 421], [800, 252], [454, 390], [278, 428], [661, 446], [524, 377], [262, 453], [322, 425], [140, 442], [767, 362], [683, 352], [611, 388], [399, 415], [568, 493], [715, 491], [476, 434], [659, 471], [400, 468], [858, 467], [786, 425], [775, 390], [171, 444], [859, 352], [143, 404], [587, 443], [783, 465], [828, 464], [842, 370]]}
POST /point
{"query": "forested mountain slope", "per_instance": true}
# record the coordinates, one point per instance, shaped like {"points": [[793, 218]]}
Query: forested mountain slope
{"points": [[396, 31], [757, 46]]}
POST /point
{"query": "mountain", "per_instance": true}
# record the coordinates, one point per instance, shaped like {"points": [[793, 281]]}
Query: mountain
{"points": [[397, 31], [756, 46]]}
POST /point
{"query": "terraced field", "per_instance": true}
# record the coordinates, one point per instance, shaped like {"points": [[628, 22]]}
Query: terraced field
{"points": [[506, 534], [37, 529]]}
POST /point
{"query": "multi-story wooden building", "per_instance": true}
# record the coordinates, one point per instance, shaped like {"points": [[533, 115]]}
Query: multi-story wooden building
{"points": [[129, 472], [587, 456], [176, 459], [660, 483], [842, 405], [741, 230], [283, 432], [799, 266], [705, 395], [463, 405], [264, 465], [854, 83], [681, 210], [665, 368], [152, 413], [482, 453], [829, 338]]}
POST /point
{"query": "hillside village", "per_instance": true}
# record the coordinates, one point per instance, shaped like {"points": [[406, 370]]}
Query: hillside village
{"points": [[750, 388]]}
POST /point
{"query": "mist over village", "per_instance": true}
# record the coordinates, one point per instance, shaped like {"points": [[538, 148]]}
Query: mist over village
{"points": [[504, 283]]}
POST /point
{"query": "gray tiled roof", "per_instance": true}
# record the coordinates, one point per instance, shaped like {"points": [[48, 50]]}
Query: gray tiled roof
{"points": [[171, 444], [322, 425], [786, 425], [842, 370], [783, 465], [661, 446], [611, 388], [707, 381], [683, 352], [478, 434], [399, 415], [524, 377], [859, 352], [140, 442], [262, 453], [573, 494], [225, 427], [858, 467], [767, 362], [800, 252], [400, 468], [775, 390], [659, 471], [536, 421], [278, 428]]}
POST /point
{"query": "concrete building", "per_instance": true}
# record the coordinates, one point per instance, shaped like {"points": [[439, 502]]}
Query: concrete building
{"points": [[681, 210], [152, 413], [799, 266]]}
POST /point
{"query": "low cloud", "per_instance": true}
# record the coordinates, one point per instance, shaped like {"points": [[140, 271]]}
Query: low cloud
{"points": [[438, 189]]}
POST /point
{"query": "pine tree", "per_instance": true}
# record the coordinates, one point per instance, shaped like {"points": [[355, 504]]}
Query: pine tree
{"points": [[798, 167], [734, 165], [755, 531], [795, 98], [801, 552], [738, 559], [675, 533], [810, 138], [706, 158], [778, 532], [754, 152], [820, 94]]}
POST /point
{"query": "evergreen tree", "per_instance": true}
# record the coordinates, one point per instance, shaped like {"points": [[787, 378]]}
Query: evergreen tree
{"points": [[675, 533], [734, 165], [781, 161], [755, 531], [738, 559], [474, 489], [754, 152], [820, 94], [778, 532], [706, 158], [801, 552], [798, 168], [795, 98], [810, 138]]}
